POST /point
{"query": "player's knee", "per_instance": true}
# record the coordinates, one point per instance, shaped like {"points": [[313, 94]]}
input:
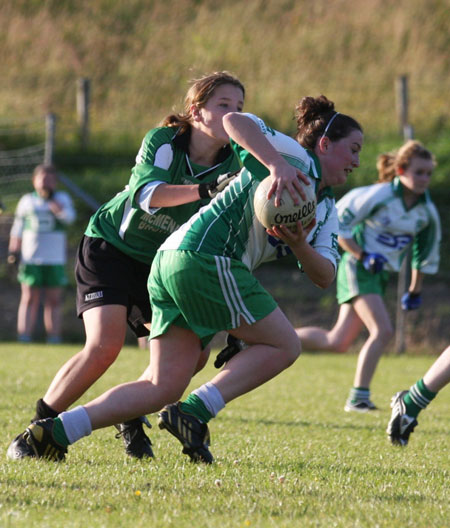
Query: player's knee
{"points": [[340, 347], [384, 334], [292, 350], [203, 359], [388, 333], [102, 355]]}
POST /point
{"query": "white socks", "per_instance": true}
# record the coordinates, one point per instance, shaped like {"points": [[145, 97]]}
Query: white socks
{"points": [[76, 423], [211, 397]]}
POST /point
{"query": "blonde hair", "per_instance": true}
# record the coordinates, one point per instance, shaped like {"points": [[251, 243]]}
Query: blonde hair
{"points": [[388, 163], [199, 94]]}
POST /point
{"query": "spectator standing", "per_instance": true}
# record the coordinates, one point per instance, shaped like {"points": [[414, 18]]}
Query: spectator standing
{"points": [[38, 245]]}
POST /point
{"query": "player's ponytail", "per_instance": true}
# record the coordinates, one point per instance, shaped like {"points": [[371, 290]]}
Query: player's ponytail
{"points": [[386, 167]]}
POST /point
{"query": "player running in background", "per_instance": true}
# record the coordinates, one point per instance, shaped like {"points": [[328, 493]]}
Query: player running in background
{"points": [[406, 405], [201, 283], [377, 225], [38, 245], [179, 167]]}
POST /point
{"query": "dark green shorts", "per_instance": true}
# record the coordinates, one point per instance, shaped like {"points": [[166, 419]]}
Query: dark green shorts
{"points": [[354, 280], [42, 276], [205, 293]]}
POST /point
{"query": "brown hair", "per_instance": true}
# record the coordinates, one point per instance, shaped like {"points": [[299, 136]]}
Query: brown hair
{"points": [[388, 163], [313, 114], [199, 93]]}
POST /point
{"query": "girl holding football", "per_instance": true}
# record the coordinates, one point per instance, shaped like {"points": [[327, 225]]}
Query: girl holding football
{"points": [[179, 167], [377, 225], [201, 283]]}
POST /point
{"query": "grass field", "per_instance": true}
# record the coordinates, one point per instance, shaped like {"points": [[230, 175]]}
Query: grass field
{"points": [[286, 455]]}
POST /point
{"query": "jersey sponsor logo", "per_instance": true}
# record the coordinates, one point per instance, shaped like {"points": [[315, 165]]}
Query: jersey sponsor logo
{"points": [[394, 241], [93, 296], [282, 249], [157, 222], [290, 218], [334, 241]]}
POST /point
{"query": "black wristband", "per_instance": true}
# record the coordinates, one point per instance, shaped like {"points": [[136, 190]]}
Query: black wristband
{"points": [[203, 190], [363, 256]]}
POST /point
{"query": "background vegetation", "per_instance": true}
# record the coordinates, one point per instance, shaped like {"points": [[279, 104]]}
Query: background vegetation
{"points": [[139, 56]]}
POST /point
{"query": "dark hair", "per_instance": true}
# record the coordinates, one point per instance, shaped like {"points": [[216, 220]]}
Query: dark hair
{"points": [[388, 163], [313, 114], [199, 93]]}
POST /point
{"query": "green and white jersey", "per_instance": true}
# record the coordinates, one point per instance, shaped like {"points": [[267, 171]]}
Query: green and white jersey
{"points": [[138, 230], [377, 218], [227, 226], [42, 232]]}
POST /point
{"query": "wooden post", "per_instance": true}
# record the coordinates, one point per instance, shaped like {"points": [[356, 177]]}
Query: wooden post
{"points": [[83, 96], [404, 274], [402, 102], [50, 130]]}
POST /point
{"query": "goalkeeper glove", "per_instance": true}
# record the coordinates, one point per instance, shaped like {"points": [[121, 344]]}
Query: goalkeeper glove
{"points": [[212, 189], [411, 301], [373, 262]]}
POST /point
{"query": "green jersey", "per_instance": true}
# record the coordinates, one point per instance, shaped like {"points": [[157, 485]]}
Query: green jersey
{"points": [[228, 227], [138, 230]]}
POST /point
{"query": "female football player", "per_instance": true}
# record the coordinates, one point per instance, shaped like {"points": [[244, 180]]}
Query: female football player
{"points": [[179, 167], [378, 224], [201, 283]]}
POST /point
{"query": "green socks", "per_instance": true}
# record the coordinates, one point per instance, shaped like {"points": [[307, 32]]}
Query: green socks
{"points": [[417, 398], [59, 434], [358, 394], [194, 405]]}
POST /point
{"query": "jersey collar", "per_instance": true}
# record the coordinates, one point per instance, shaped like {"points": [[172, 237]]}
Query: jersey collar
{"points": [[398, 189], [326, 192]]}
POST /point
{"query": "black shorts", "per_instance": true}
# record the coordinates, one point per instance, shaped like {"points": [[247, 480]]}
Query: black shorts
{"points": [[105, 276]]}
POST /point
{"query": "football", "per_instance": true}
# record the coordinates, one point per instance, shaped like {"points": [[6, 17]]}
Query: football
{"points": [[287, 213]]}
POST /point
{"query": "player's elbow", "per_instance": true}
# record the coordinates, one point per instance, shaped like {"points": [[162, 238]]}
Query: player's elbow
{"points": [[325, 279], [324, 282]]}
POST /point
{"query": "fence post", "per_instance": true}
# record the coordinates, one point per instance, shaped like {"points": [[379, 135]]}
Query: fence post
{"points": [[83, 100], [402, 101], [404, 274], [50, 130]]}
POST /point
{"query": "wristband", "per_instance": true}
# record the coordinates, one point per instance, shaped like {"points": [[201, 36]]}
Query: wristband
{"points": [[203, 191]]}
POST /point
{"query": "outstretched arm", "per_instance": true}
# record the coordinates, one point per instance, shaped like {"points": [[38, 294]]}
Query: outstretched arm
{"points": [[246, 133]]}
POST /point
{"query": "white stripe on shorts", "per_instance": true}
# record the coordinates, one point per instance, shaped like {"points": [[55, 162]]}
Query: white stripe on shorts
{"points": [[231, 292], [352, 280]]}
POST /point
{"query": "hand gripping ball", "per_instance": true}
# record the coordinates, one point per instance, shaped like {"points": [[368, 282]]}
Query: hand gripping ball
{"points": [[287, 213]]}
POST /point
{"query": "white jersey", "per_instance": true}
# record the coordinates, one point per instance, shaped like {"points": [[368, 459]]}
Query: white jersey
{"points": [[227, 226], [377, 218], [42, 232]]}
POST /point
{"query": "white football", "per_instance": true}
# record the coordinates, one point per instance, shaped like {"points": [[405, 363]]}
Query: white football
{"points": [[287, 213]]}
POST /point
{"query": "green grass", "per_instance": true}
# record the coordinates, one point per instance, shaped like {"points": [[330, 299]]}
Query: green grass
{"points": [[286, 455]]}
